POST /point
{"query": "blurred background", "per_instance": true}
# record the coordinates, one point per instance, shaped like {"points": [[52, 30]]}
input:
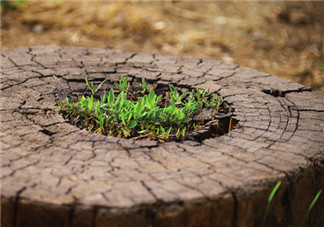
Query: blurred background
{"points": [[282, 38]]}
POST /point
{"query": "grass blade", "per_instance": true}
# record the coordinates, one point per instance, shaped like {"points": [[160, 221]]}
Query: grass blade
{"points": [[143, 82], [100, 86], [137, 108], [90, 102], [269, 202], [133, 124], [90, 86], [111, 97], [152, 97], [310, 207], [104, 98]]}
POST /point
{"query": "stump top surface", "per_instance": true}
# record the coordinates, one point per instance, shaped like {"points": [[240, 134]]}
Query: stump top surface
{"points": [[44, 159]]}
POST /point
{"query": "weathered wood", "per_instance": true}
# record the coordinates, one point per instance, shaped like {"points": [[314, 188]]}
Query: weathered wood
{"points": [[54, 174]]}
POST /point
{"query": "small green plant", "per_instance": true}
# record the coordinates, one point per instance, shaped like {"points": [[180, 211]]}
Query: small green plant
{"points": [[90, 85], [273, 192], [139, 114], [122, 86]]}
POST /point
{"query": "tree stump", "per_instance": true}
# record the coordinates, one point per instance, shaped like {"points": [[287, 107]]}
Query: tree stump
{"points": [[55, 174]]}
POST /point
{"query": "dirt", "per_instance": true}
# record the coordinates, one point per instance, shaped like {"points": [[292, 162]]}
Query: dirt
{"points": [[280, 38]]}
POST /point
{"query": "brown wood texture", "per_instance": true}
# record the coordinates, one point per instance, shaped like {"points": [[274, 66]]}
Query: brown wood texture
{"points": [[55, 174]]}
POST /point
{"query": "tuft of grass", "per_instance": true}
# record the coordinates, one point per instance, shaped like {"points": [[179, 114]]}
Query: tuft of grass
{"points": [[139, 114]]}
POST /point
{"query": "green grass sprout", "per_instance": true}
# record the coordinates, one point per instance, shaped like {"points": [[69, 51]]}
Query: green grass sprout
{"points": [[269, 202], [123, 85], [310, 207], [90, 86], [142, 113]]}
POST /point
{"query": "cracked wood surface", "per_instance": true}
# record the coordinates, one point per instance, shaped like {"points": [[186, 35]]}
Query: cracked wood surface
{"points": [[55, 174]]}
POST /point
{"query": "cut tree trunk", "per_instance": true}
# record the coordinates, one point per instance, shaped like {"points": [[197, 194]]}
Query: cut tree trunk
{"points": [[55, 174]]}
